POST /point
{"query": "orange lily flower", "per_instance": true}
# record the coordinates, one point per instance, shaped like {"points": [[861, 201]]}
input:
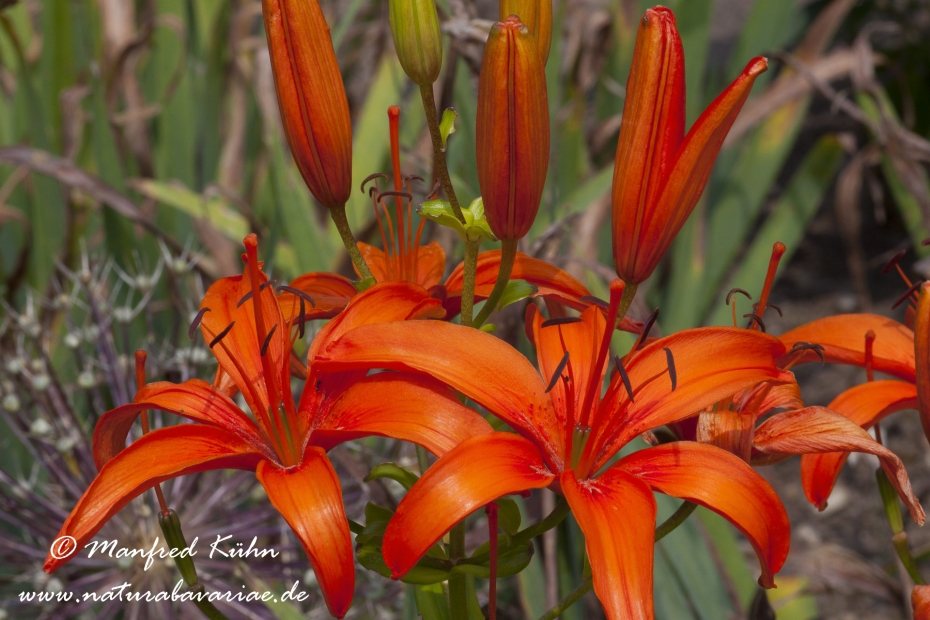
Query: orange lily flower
{"points": [[311, 96], [659, 172], [567, 434], [286, 442]]}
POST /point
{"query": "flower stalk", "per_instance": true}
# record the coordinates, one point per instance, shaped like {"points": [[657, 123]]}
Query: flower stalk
{"points": [[468, 282], [508, 254], [440, 169], [348, 239]]}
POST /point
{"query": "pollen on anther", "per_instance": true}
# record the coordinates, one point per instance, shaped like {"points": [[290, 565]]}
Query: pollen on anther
{"points": [[221, 335], [672, 373], [196, 322], [557, 373], [265, 344], [625, 377], [562, 320]]}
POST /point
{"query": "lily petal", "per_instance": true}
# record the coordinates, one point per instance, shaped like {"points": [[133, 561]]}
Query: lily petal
{"points": [[309, 497], [501, 380], [711, 363], [725, 484], [920, 601], [194, 399], [843, 339], [430, 263], [922, 356], [473, 474], [402, 405], [330, 292], [156, 457], [617, 514]]}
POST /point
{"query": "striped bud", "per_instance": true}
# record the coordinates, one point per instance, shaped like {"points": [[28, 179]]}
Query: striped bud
{"points": [[415, 27], [535, 15], [311, 97], [512, 129]]}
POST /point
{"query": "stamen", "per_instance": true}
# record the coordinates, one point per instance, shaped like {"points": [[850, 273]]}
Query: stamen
{"points": [[778, 250], [869, 356], [265, 344], [894, 260], [413, 177], [196, 322], [805, 346], [624, 377], [394, 122], [298, 293], [753, 317], [221, 335], [562, 320], [617, 287], [372, 177], [435, 191], [402, 194], [579, 440], [302, 319], [912, 290], [558, 373], [597, 301], [673, 375], [771, 305], [261, 288], [733, 291], [646, 329]]}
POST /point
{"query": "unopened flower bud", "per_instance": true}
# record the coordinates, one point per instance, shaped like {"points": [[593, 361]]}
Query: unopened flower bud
{"points": [[415, 27], [512, 129], [536, 15]]}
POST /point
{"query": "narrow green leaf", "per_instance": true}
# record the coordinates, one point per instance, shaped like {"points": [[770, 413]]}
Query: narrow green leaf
{"points": [[214, 210], [508, 515], [531, 580], [432, 602], [393, 472]]}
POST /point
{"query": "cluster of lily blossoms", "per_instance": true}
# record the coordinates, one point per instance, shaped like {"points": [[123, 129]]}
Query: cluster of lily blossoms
{"points": [[559, 424]]}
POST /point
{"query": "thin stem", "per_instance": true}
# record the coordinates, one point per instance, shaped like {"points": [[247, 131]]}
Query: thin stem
{"points": [[555, 517], [458, 586], [508, 255], [629, 293], [678, 517], [342, 225], [439, 155], [422, 459], [903, 550], [569, 600], [491, 509], [468, 281]]}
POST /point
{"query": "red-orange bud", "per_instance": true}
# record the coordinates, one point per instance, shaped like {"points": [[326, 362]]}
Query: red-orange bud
{"points": [[512, 129], [537, 16], [311, 97], [659, 172]]}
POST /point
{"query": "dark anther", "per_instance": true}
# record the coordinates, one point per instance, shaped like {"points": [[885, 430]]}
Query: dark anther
{"points": [[261, 288], [302, 319], [372, 177], [557, 373], [196, 323], [624, 377], [752, 316], [413, 177], [393, 193], [894, 261], [298, 292], [221, 335], [755, 308], [268, 339], [244, 299], [562, 320], [733, 291], [373, 191], [266, 285], [670, 359], [435, 191], [808, 346], [596, 301], [648, 326], [908, 293]]}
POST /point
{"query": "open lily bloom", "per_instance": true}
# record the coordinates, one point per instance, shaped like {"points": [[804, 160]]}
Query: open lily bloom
{"points": [[824, 436], [879, 344], [567, 436], [283, 441]]}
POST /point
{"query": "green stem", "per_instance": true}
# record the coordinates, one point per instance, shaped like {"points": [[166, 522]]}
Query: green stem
{"points": [[458, 586], [348, 239], [439, 155], [555, 517], [896, 521], [904, 552], [422, 459], [508, 255], [171, 528], [678, 517], [468, 281], [629, 292]]}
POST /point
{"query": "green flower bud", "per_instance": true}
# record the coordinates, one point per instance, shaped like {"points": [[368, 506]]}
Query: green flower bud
{"points": [[415, 26]]}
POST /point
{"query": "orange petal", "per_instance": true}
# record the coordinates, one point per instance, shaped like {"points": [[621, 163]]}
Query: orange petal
{"points": [[404, 406], [512, 129], [617, 514], [311, 96], [843, 339], [728, 430], [474, 473], [501, 379], [711, 363], [651, 134], [922, 355], [727, 485], [330, 292], [309, 497], [430, 262], [920, 601], [239, 351], [156, 457], [194, 399], [766, 397]]}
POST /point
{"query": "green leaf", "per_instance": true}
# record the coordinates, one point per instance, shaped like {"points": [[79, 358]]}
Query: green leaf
{"points": [[476, 224], [517, 290], [432, 602], [394, 472], [508, 515], [370, 556], [447, 125], [216, 211], [531, 580], [510, 560]]}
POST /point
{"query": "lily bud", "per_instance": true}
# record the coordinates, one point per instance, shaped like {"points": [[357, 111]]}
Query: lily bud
{"points": [[311, 97], [660, 173], [415, 27], [535, 15], [512, 129]]}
